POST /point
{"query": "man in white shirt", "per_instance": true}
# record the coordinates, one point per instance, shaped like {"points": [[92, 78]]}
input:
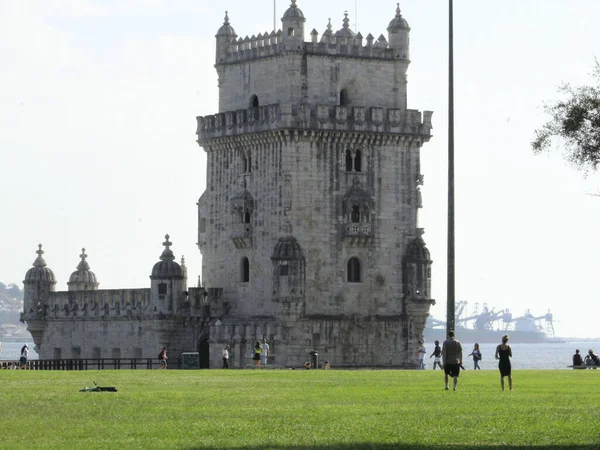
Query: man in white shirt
{"points": [[226, 357], [420, 355], [264, 352]]}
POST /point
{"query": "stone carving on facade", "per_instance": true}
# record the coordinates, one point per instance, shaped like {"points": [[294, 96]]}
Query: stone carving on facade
{"points": [[359, 115], [323, 113], [394, 117], [377, 116]]}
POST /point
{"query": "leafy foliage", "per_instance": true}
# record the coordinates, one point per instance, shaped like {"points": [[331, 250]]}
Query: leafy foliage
{"points": [[10, 295], [576, 122]]}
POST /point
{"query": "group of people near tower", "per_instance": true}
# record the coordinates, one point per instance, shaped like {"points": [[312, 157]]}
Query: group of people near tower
{"points": [[449, 357]]}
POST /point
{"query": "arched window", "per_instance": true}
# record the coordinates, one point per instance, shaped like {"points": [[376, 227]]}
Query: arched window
{"points": [[254, 101], [247, 217], [244, 164], [348, 161], [249, 164], [358, 161], [245, 270], [355, 214], [284, 270], [344, 100], [353, 270]]}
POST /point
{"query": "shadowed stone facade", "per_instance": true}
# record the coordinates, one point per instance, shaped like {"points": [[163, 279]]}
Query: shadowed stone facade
{"points": [[308, 226]]}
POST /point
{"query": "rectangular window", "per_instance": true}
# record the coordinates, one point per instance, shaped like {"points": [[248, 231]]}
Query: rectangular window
{"points": [[57, 353], [116, 353], [96, 353], [137, 352], [162, 288], [284, 270], [76, 353]]}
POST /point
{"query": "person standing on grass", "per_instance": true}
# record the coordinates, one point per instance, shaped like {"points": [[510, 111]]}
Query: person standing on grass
{"points": [[420, 355], [504, 353], [437, 352], [256, 351], [476, 354], [264, 352], [452, 358], [226, 357], [24, 356], [162, 357]]}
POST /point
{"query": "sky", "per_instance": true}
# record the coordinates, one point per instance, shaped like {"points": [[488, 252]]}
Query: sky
{"points": [[98, 106]]}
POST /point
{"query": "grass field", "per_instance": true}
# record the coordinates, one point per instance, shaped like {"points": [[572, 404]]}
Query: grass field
{"points": [[298, 409]]}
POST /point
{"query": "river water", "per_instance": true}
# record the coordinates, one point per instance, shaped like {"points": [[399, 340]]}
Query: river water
{"points": [[547, 356]]}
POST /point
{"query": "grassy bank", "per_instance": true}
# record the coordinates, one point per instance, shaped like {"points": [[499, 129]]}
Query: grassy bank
{"points": [[279, 409]]}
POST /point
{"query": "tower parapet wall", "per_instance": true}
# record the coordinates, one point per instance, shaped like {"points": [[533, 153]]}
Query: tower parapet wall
{"points": [[126, 303], [315, 117], [270, 45]]}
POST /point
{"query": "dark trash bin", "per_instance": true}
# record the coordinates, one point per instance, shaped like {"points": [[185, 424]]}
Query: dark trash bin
{"points": [[314, 359]]}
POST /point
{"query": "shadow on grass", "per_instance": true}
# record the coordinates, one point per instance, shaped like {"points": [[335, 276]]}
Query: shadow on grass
{"points": [[400, 446]]}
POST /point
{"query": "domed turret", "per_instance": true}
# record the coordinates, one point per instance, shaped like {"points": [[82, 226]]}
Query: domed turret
{"points": [[292, 24], [417, 269], [398, 35], [167, 285], [39, 271], [345, 31], [38, 283], [166, 267], [83, 279], [417, 252], [287, 248], [225, 36]]}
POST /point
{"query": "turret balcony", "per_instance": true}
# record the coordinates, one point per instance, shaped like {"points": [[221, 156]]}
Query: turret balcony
{"points": [[358, 234], [241, 235]]}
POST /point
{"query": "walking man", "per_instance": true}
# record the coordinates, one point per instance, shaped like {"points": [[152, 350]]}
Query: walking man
{"points": [[162, 356], [420, 355], [226, 357], [451, 358], [264, 352]]}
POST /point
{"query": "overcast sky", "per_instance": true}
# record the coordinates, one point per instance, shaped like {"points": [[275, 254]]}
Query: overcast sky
{"points": [[98, 101]]}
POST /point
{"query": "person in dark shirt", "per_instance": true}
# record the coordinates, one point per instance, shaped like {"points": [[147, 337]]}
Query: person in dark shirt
{"points": [[504, 353], [577, 360], [437, 352]]}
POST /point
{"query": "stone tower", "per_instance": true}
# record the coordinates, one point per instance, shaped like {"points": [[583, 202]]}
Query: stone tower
{"points": [[309, 220]]}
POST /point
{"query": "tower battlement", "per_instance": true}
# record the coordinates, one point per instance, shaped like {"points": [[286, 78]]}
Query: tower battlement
{"points": [[315, 117]]}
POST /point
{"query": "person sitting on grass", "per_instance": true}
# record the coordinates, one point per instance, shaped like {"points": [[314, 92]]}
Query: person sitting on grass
{"points": [[577, 359], [326, 365], [591, 359], [307, 365]]}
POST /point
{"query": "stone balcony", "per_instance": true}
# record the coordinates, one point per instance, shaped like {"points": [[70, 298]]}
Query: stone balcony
{"points": [[241, 235], [358, 234]]}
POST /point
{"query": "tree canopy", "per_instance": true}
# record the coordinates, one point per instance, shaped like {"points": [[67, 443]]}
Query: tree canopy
{"points": [[575, 122]]}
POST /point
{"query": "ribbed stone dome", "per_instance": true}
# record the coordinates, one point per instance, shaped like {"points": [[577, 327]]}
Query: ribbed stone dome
{"points": [[39, 271], [83, 278], [417, 252], [398, 22], [167, 267], [226, 29], [287, 248], [293, 12]]}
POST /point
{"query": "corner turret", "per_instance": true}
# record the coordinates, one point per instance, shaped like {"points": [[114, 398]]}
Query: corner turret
{"points": [[292, 26], [38, 283], [399, 35], [225, 36]]}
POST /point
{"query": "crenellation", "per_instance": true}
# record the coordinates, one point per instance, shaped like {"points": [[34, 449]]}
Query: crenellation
{"points": [[311, 116]]}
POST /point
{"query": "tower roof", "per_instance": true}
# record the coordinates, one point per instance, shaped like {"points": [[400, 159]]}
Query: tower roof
{"points": [[293, 13], [166, 267], [226, 29], [345, 31], [398, 22], [417, 252], [83, 277], [40, 271]]}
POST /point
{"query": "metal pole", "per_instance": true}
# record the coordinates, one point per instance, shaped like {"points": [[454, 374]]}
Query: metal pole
{"points": [[450, 280], [274, 15]]}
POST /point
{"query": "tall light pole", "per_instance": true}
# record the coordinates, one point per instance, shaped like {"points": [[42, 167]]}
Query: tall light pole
{"points": [[450, 274]]}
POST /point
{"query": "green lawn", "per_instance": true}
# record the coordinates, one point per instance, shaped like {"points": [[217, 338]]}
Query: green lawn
{"points": [[297, 409]]}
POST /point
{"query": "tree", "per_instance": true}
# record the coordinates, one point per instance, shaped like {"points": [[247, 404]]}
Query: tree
{"points": [[576, 122]]}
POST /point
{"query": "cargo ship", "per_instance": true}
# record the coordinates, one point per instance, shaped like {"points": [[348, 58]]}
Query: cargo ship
{"points": [[488, 326]]}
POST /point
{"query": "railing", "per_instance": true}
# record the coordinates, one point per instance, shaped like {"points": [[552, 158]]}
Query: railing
{"points": [[93, 364]]}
